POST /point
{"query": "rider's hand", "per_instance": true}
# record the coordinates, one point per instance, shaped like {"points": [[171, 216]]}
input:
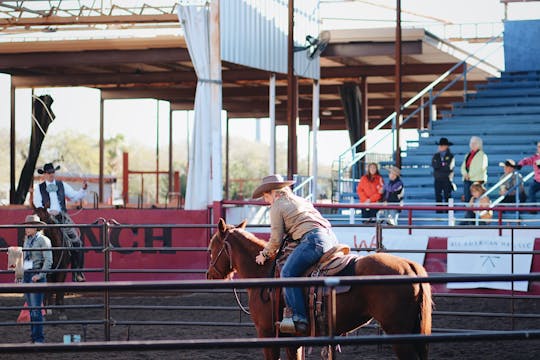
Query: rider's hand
{"points": [[35, 278], [260, 259]]}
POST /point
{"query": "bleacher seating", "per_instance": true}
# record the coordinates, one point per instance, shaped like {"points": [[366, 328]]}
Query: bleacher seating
{"points": [[505, 113]]}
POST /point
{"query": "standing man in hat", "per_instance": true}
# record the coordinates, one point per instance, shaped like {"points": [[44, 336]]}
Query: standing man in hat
{"points": [[295, 218], [36, 264], [443, 163], [51, 194]]}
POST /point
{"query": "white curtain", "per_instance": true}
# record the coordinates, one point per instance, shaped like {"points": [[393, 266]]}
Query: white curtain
{"points": [[204, 171]]}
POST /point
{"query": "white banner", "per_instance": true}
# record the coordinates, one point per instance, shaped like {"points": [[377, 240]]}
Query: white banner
{"points": [[490, 263]]}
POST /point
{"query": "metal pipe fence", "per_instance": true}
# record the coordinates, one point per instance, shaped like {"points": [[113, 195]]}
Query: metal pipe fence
{"points": [[107, 287]]}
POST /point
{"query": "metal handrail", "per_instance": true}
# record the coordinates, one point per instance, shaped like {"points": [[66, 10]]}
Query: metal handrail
{"points": [[309, 183], [356, 157]]}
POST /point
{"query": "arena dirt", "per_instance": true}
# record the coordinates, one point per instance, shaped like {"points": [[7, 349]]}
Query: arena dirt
{"points": [[499, 350]]}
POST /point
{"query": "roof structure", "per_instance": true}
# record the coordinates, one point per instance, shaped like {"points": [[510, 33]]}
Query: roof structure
{"points": [[136, 63], [131, 49]]}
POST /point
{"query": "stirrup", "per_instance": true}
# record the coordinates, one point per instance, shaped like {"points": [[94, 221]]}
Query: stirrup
{"points": [[286, 326]]}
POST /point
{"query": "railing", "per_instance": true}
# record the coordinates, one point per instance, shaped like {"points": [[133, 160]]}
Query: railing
{"points": [[353, 155], [305, 187]]}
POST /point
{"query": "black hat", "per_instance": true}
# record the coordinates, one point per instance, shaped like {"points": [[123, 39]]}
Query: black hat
{"points": [[48, 168], [444, 141]]}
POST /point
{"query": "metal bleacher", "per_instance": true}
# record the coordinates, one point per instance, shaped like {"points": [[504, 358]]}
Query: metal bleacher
{"points": [[504, 112]]}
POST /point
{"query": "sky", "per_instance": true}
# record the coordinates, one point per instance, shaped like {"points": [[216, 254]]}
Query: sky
{"points": [[78, 108]]}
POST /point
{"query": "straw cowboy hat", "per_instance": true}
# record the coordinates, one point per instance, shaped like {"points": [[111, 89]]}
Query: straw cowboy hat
{"points": [[444, 141], [508, 162], [48, 168], [395, 170], [269, 183], [33, 220]]}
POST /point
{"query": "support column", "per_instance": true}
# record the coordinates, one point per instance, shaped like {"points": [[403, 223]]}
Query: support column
{"points": [[171, 171], [227, 148], [315, 130], [292, 98], [101, 146], [157, 151], [272, 114], [12, 148], [397, 103]]}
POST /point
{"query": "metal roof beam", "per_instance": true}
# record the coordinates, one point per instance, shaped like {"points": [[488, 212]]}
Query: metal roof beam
{"points": [[92, 57], [359, 49], [86, 20]]}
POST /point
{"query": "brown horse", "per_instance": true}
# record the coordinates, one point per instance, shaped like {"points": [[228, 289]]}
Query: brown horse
{"points": [[399, 308], [61, 260]]}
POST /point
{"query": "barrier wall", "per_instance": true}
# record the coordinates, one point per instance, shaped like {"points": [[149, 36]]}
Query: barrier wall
{"points": [[124, 242]]}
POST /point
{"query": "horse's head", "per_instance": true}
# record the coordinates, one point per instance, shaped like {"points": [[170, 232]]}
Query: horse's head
{"points": [[43, 214], [221, 266]]}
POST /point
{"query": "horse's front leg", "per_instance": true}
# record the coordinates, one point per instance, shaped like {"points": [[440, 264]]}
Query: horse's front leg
{"points": [[60, 302], [295, 353]]}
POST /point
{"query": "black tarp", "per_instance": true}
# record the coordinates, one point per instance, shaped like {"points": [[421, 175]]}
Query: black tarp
{"points": [[351, 98], [42, 109]]}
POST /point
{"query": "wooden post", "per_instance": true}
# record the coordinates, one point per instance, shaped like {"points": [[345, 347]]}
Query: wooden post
{"points": [[292, 95], [125, 178]]}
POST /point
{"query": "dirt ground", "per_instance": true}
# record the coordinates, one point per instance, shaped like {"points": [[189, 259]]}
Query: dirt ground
{"points": [[516, 349]]}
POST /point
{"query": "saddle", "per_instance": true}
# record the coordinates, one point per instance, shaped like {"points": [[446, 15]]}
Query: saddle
{"points": [[335, 262]]}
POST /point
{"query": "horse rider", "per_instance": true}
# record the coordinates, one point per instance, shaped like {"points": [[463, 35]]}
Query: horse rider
{"points": [[296, 218], [51, 194]]}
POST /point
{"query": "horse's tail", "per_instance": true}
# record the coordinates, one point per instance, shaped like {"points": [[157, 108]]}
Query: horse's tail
{"points": [[425, 304]]}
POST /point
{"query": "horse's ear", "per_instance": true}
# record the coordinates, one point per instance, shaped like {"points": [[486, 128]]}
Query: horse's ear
{"points": [[222, 226], [242, 225]]}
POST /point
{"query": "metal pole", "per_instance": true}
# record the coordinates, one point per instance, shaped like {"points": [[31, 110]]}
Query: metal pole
{"points": [[157, 151], [12, 147], [227, 149], [216, 101], [315, 129], [397, 101], [292, 94], [170, 151], [465, 82], [106, 294], [101, 145], [272, 113]]}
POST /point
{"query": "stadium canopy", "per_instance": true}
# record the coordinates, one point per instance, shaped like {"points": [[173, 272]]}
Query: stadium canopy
{"points": [[130, 50]]}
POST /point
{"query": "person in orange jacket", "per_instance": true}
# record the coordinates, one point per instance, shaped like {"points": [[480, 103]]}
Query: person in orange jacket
{"points": [[370, 190]]}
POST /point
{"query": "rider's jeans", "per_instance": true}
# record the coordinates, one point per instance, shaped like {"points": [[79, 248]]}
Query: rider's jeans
{"points": [[312, 246], [35, 299]]}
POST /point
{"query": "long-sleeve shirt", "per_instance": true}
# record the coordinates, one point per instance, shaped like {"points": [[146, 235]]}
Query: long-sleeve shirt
{"points": [[294, 216], [41, 259], [393, 190], [477, 170], [533, 161], [370, 189], [55, 202]]}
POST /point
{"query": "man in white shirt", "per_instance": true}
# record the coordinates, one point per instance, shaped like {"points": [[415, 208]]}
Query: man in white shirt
{"points": [[51, 194]]}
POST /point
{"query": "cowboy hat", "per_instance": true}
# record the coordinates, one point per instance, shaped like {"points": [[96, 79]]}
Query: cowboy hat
{"points": [[395, 170], [48, 168], [33, 219], [444, 141], [269, 183]]}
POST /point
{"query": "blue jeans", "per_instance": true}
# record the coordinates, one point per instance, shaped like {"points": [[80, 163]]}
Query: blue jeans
{"points": [[533, 189], [311, 248], [35, 299], [467, 190]]}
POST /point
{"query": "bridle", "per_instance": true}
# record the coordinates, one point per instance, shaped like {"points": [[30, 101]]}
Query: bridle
{"points": [[225, 249]]}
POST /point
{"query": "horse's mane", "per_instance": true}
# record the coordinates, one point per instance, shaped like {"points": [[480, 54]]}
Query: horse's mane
{"points": [[251, 237]]}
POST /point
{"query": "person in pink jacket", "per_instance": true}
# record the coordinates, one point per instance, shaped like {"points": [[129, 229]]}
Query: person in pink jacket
{"points": [[533, 161], [370, 190]]}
